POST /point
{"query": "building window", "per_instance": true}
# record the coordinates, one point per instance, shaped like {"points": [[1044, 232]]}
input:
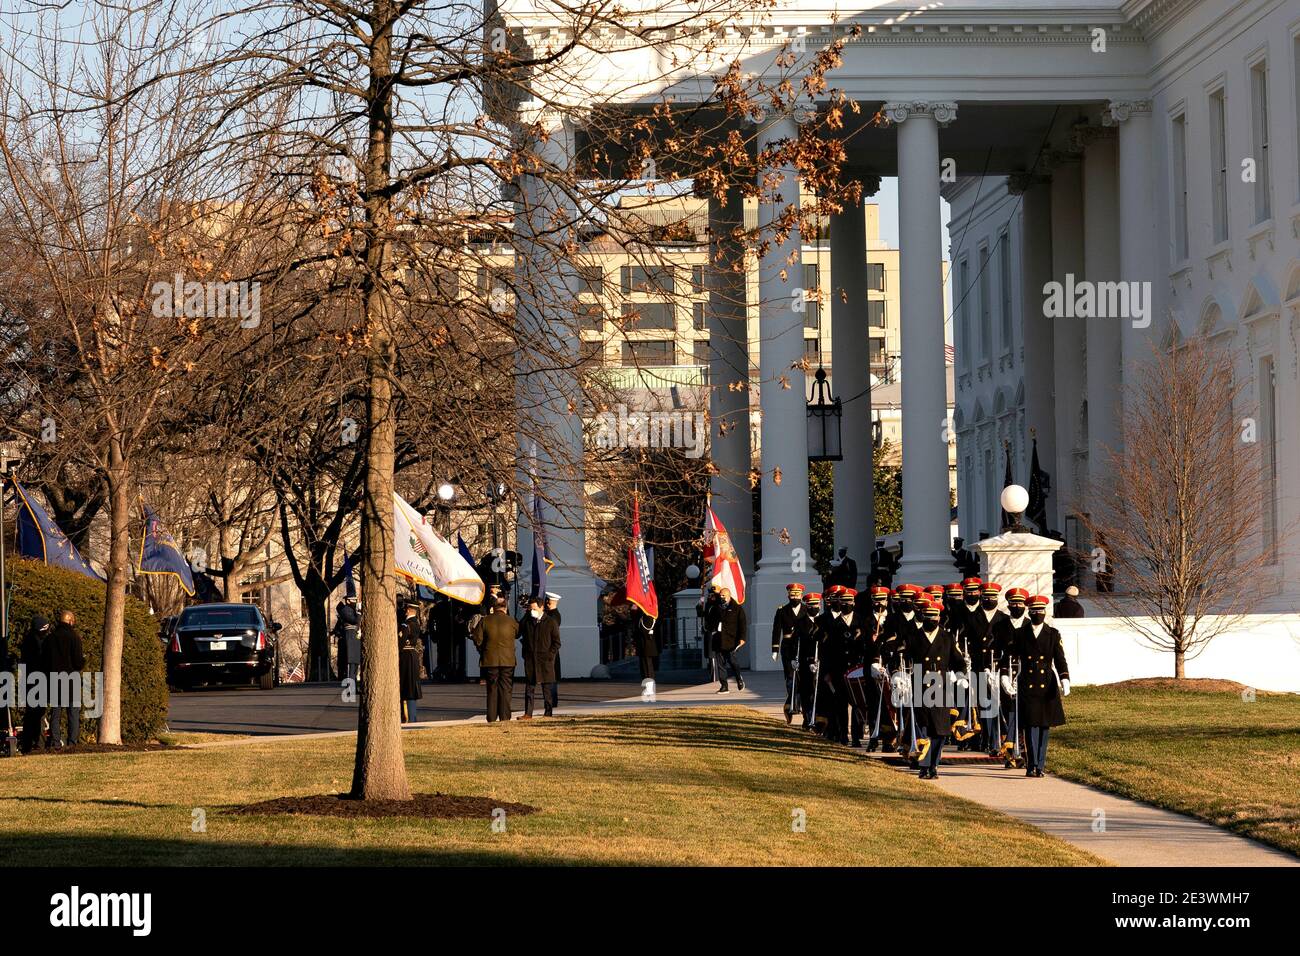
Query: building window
{"points": [[591, 316], [812, 350], [497, 277], [876, 351], [812, 291], [1268, 428], [698, 317], [653, 280], [1004, 280], [649, 315], [963, 309], [591, 279], [876, 276], [697, 279], [1219, 162], [701, 351], [1259, 130], [1179, 159], [591, 351], [647, 354], [986, 306], [876, 313]]}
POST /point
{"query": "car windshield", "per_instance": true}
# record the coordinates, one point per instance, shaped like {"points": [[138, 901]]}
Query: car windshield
{"points": [[220, 617]]}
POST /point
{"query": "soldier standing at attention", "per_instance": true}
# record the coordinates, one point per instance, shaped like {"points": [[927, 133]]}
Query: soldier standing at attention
{"points": [[790, 629], [1044, 682]]}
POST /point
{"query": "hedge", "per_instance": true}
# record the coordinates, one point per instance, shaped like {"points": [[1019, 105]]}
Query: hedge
{"points": [[39, 589]]}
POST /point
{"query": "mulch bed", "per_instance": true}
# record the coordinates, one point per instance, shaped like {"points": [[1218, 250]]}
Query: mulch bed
{"points": [[104, 749], [441, 806], [1203, 685]]}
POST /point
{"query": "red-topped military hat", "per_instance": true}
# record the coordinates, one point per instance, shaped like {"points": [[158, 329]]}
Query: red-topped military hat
{"points": [[1039, 601], [1017, 595]]}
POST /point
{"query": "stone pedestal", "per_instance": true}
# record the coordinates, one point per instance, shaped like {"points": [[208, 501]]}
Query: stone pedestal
{"points": [[1018, 560]]}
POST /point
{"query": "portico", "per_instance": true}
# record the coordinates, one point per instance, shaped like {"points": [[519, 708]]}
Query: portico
{"points": [[1052, 100]]}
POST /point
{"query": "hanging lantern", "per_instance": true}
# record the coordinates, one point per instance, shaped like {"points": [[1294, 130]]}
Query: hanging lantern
{"points": [[824, 414]]}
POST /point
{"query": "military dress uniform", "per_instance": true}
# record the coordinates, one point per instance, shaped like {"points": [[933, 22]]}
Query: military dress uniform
{"points": [[936, 655], [982, 627], [1005, 628], [807, 649], [1044, 679], [879, 651], [790, 629]]}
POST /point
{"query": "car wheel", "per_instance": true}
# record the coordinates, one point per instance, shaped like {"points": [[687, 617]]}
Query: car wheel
{"points": [[266, 681]]}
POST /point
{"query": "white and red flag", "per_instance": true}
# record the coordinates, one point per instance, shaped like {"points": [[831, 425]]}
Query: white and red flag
{"points": [[720, 561], [640, 585]]}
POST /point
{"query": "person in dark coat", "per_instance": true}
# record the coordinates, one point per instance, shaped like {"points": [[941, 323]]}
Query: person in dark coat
{"points": [[935, 652], [539, 635], [880, 634], [732, 626], [347, 631], [646, 641], [64, 661], [790, 629], [409, 641], [32, 654], [808, 653], [495, 636], [1043, 682], [1068, 606]]}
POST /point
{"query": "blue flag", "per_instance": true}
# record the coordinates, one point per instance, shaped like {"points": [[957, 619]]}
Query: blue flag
{"points": [[159, 553], [542, 562], [463, 548], [40, 538], [349, 582]]}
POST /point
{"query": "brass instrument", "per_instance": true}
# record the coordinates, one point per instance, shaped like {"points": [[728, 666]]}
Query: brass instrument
{"points": [[964, 729], [1011, 755]]}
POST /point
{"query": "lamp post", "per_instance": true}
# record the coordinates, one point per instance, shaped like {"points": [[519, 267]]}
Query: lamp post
{"points": [[446, 492], [824, 413], [1014, 502]]}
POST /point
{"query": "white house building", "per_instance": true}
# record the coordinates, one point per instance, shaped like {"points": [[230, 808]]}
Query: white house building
{"points": [[1103, 140]]}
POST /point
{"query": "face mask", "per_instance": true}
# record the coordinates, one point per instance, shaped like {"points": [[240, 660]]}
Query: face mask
{"points": [[1037, 617], [536, 613], [972, 600], [989, 603], [880, 608], [1016, 611], [905, 607], [931, 624]]}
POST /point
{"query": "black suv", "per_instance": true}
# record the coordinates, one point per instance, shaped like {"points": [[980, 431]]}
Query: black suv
{"points": [[223, 643]]}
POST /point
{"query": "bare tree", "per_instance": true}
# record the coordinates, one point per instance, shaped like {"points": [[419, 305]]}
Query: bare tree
{"points": [[1180, 516]]}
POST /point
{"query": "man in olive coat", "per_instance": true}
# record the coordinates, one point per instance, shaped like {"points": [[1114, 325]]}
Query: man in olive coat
{"points": [[494, 636], [540, 636]]}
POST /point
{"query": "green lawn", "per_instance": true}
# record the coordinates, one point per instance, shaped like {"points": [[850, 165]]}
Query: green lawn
{"points": [[1212, 755], [666, 787]]}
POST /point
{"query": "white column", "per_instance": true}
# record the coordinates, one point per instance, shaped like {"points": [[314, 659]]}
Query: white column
{"points": [[927, 547], [1068, 340], [782, 400], [1137, 220], [1101, 238], [851, 378], [728, 366], [1035, 328], [550, 424]]}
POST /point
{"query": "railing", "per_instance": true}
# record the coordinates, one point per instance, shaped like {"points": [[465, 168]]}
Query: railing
{"points": [[654, 376]]}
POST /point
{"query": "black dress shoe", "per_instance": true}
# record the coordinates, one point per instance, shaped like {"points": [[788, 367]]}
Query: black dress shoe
{"points": [[858, 744], [1038, 772], [1029, 772]]}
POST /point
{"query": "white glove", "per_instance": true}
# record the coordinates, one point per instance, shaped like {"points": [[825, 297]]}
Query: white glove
{"points": [[1006, 686], [963, 683], [813, 667], [775, 655], [876, 670], [1065, 688]]}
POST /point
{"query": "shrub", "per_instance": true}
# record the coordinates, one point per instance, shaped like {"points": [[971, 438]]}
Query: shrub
{"points": [[38, 589]]}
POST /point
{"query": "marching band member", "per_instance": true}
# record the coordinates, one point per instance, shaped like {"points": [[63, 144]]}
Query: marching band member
{"points": [[879, 650], [953, 611], [790, 629], [1044, 681], [934, 652], [1004, 629], [981, 626]]}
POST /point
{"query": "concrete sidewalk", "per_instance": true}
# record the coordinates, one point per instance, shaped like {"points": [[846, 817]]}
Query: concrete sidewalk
{"points": [[1125, 832]]}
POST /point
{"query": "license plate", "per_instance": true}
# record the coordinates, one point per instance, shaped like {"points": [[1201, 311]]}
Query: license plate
{"points": [[216, 645]]}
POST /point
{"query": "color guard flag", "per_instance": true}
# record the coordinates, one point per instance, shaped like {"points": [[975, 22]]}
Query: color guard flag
{"points": [[40, 538], [159, 553], [423, 556], [640, 585], [542, 562], [720, 560]]}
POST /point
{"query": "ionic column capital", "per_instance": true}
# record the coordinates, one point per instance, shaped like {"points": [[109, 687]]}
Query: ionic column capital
{"points": [[899, 111], [1020, 183], [1118, 112]]}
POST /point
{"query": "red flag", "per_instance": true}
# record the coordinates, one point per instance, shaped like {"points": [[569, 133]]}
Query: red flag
{"points": [[640, 587], [720, 560]]}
